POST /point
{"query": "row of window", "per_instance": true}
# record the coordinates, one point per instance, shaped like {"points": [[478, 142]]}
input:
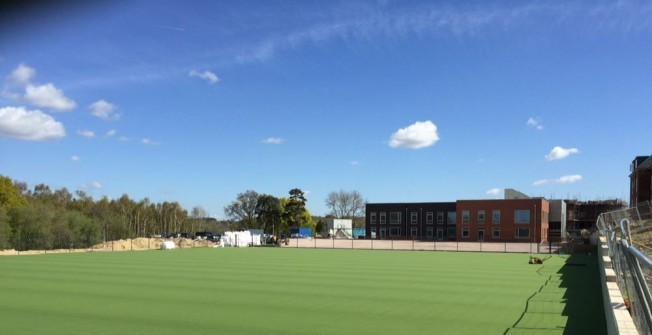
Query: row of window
{"points": [[521, 216], [414, 232], [395, 217], [495, 233]]}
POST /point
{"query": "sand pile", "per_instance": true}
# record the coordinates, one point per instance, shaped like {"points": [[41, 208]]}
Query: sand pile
{"points": [[140, 243]]}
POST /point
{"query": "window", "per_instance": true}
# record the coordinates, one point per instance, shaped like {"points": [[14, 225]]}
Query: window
{"points": [[522, 216], [372, 218], [414, 232], [414, 217], [383, 218], [481, 216], [480, 235], [522, 232], [373, 232], [495, 233], [395, 217], [440, 217], [466, 216], [394, 231], [429, 233], [429, 217], [465, 232], [495, 216], [450, 233], [452, 217]]}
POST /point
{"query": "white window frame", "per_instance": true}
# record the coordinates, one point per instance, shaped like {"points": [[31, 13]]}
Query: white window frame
{"points": [[414, 232], [493, 216], [484, 216], [395, 218], [430, 216], [493, 232], [383, 218], [440, 217], [429, 232], [372, 218], [465, 233], [414, 217], [466, 216]]}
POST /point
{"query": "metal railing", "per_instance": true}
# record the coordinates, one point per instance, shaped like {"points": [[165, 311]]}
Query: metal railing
{"points": [[629, 238]]}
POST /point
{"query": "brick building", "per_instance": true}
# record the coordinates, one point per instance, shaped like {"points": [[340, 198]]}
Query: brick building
{"points": [[503, 220], [584, 214], [419, 221], [640, 187]]}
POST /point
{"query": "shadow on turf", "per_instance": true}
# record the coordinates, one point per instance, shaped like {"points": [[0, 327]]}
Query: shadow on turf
{"points": [[570, 302]]}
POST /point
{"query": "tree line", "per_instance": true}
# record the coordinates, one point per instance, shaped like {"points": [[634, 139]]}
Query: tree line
{"points": [[40, 218], [273, 215]]}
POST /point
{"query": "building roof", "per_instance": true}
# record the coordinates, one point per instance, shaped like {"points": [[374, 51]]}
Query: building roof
{"points": [[647, 164]]}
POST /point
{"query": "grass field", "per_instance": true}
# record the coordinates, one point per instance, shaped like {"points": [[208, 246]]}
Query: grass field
{"points": [[288, 291]]}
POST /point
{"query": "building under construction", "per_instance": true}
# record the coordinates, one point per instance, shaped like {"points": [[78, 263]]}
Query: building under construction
{"points": [[584, 214]]}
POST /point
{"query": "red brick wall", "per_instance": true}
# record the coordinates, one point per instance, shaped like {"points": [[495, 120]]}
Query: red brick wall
{"points": [[538, 225]]}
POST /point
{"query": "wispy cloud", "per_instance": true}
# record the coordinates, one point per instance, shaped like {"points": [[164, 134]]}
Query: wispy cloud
{"points": [[111, 133], [86, 133], [561, 180], [208, 76], [354, 163], [274, 140], [560, 153], [147, 141], [535, 123], [416, 136], [74, 158]]}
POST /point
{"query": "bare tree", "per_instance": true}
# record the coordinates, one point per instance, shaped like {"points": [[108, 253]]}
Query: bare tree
{"points": [[346, 205], [243, 209]]}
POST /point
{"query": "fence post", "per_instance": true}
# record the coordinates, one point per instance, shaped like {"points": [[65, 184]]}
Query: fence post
{"points": [[372, 244], [412, 243], [333, 237], [457, 247]]}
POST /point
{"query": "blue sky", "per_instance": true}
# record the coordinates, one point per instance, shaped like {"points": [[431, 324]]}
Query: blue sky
{"points": [[401, 100]]}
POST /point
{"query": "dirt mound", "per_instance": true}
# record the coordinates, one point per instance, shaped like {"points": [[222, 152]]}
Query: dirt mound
{"points": [[140, 243]]}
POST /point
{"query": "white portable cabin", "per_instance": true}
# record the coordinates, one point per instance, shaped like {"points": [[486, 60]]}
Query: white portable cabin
{"points": [[340, 225], [240, 239]]}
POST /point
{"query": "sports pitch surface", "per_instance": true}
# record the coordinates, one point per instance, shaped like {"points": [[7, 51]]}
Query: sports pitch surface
{"points": [[298, 291]]}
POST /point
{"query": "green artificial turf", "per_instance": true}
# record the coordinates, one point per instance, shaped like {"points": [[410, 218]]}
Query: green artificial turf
{"points": [[282, 291]]}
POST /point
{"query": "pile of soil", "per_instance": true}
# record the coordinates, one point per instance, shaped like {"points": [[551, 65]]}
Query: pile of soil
{"points": [[140, 243]]}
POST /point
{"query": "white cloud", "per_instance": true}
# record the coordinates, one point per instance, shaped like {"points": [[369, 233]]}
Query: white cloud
{"points": [[560, 153], [210, 77], [23, 124], [48, 96], [111, 133], [561, 180], [86, 133], [104, 110], [274, 140], [147, 141], [22, 75], [416, 136], [354, 163], [123, 138], [535, 122], [569, 179], [75, 158], [495, 192], [96, 185]]}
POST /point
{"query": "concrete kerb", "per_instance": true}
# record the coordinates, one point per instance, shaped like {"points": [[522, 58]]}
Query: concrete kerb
{"points": [[619, 321]]}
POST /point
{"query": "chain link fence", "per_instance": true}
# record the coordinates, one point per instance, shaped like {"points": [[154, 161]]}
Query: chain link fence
{"points": [[629, 238]]}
